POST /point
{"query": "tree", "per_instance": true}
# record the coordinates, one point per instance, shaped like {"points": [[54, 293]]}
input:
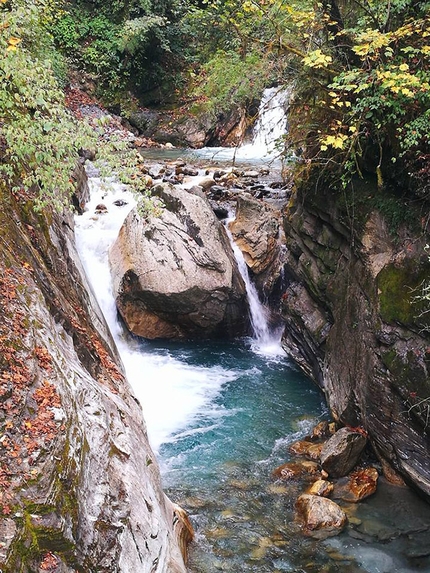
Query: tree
{"points": [[377, 106], [40, 140]]}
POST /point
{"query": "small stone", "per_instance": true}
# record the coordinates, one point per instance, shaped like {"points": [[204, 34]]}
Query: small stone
{"points": [[296, 470], [120, 202], [321, 487], [101, 208], [307, 449], [321, 431]]}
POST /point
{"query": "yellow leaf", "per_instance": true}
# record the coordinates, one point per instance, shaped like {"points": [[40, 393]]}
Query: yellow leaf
{"points": [[13, 41], [403, 67]]}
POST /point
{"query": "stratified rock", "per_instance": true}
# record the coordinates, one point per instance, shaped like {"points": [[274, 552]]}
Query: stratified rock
{"points": [[310, 450], [357, 486], [371, 356], [321, 487], [175, 275], [342, 452], [321, 517], [296, 470]]}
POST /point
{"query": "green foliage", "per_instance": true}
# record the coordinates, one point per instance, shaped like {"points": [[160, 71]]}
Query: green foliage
{"points": [[124, 45], [39, 139], [376, 106], [243, 83]]}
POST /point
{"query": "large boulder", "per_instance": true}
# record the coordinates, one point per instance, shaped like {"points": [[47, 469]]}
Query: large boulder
{"points": [[175, 275], [342, 452]]}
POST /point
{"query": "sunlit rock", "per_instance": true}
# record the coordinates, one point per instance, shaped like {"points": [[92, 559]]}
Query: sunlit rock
{"points": [[320, 517], [320, 487], [357, 486], [297, 470], [308, 449]]}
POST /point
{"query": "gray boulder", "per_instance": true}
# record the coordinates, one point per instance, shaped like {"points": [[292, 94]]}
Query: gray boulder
{"points": [[342, 452], [175, 275]]}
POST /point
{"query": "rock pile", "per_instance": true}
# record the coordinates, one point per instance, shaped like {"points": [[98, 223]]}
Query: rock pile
{"points": [[332, 455]]}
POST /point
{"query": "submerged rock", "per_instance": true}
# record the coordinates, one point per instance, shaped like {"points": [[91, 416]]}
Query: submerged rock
{"points": [[175, 275], [297, 470]]}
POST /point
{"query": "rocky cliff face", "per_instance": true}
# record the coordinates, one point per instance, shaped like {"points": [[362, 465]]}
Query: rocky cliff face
{"points": [[80, 487], [353, 324]]}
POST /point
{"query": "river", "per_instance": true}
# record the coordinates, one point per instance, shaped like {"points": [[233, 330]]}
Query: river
{"points": [[220, 417]]}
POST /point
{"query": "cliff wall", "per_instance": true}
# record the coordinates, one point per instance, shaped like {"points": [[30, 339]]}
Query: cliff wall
{"points": [[80, 487], [355, 325]]}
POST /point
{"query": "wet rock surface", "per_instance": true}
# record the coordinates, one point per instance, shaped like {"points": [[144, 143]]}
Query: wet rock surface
{"points": [[342, 451], [321, 517], [351, 326]]}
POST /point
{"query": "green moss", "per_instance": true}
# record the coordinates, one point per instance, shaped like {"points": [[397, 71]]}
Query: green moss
{"points": [[398, 288]]}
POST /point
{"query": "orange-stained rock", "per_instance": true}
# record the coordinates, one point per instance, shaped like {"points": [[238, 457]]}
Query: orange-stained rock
{"points": [[183, 529], [323, 430], [296, 470], [357, 486], [321, 487], [307, 449], [320, 517]]}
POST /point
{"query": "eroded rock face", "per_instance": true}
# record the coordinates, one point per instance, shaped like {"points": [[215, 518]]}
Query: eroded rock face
{"points": [[175, 275], [256, 231], [352, 324], [76, 466]]}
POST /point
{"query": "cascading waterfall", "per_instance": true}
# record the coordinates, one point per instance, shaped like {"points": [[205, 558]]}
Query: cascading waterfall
{"points": [[270, 126], [264, 340], [271, 122]]}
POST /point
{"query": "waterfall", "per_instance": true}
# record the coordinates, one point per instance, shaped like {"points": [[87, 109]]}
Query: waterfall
{"points": [[264, 340], [271, 124]]}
